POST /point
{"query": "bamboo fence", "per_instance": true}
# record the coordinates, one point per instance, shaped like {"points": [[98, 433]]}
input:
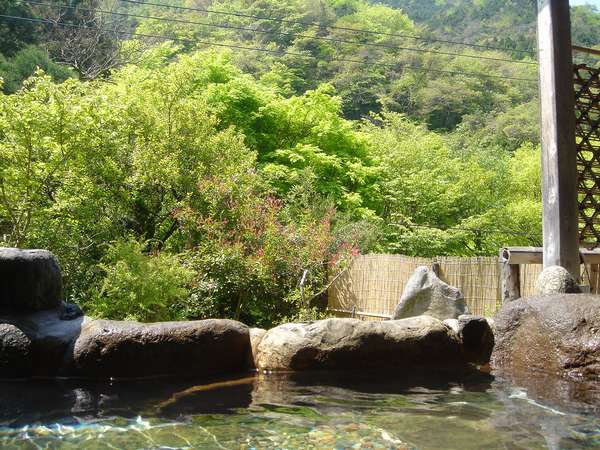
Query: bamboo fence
{"points": [[371, 287]]}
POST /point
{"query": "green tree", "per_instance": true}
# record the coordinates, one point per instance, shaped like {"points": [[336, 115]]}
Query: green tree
{"points": [[16, 34], [24, 64]]}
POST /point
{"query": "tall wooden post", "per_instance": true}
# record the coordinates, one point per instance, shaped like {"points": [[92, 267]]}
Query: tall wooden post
{"points": [[559, 154]]}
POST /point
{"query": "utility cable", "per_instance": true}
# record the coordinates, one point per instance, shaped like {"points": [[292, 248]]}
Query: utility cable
{"points": [[282, 33], [274, 52], [317, 24]]}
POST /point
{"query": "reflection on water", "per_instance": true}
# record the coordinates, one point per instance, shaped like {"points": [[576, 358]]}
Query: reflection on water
{"points": [[338, 410]]}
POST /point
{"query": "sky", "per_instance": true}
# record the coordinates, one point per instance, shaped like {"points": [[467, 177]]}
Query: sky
{"points": [[596, 3]]}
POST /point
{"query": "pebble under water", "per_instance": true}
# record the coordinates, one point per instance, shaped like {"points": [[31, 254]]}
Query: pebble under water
{"points": [[307, 411]]}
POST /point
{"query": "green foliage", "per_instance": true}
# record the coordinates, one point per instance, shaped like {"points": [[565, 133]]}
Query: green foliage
{"points": [[139, 286], [419, 191], [337, 56], [15, 34], [507, 130], [144, 158], [524, 208], [438, 202], [585, 23], [504, 23], [194, 183], [23, 65]]}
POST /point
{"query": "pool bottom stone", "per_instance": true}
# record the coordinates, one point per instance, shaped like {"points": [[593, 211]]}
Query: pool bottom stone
{"points": [[289, 412]]}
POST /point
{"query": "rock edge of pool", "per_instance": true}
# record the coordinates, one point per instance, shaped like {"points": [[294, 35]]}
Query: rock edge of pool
{"points": [[557, 336]]}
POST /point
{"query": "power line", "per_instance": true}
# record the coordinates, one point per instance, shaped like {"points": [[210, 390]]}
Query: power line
{"points": [[275, 52], [283, 33], [317, 24]]}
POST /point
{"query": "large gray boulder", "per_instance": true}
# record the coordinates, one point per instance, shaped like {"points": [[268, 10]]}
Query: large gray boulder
{"points": [[130, 349], [31, 280], [417, 342], [556, 280], [556, 334], [426, 294]]}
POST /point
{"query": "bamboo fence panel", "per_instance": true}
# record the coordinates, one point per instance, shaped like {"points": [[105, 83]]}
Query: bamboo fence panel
{"points": [[373, 284], [529, 275], [477, 278], [371, 287]]}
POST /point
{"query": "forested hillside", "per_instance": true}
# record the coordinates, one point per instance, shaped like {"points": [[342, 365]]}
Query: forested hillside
{"points": [[193, 161], [505, 23]]}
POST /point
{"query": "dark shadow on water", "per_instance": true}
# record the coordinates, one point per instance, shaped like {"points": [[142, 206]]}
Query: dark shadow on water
{"points": [[54, 400], [51, 400], [391, 382]]}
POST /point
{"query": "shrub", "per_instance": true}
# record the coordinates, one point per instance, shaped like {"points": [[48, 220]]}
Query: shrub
{"points": [[139, 286], [25, 63]]}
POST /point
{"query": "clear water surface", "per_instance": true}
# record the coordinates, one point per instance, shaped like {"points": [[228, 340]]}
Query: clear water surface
{"points": [[336, 410]]}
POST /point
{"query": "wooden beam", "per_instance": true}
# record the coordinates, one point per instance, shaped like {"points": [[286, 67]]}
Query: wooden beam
{"points": [[589, 51], [522, 255], [534, 255], [359, 313], [559, 154]]}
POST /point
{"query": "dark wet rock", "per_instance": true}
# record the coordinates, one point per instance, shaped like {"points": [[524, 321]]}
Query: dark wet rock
{"points": [[70, 311], [426, 294], [131, 349], [15, 352], [477, 338], [31, 280], [556, 280], [45, 345], [50, 338], [557, 334], [354, 344]]}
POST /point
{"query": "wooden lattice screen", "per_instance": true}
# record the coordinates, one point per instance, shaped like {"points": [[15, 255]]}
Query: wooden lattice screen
{"points": [[587, 110]]}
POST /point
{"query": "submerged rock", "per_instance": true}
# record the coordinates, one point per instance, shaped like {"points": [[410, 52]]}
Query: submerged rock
{"points": [[556, 280], [354, 344], [426, 294], [558, 334], [107, 348], [31, 280]]}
